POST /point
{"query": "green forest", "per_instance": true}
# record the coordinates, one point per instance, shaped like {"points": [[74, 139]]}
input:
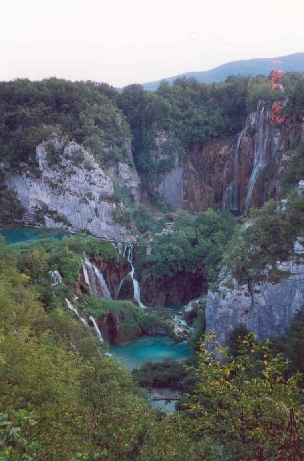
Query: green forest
{"points": [[63, 395]]}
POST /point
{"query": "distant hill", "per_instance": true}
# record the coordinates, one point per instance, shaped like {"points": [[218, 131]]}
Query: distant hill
{"points": [[259, 66]]}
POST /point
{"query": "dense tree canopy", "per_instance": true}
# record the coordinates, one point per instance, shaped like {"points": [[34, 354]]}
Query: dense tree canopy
{"points": [[82, 111]]}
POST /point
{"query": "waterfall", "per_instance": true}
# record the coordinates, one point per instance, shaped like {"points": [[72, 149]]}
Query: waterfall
{"points": [[227, 197], [94, 278], [234, 196], [96, 328], [128, 253], [119, 288], [259, 155], [179, 319], [72, 308], [56, 277], [85, 273], [102, 282], [120, 248]]}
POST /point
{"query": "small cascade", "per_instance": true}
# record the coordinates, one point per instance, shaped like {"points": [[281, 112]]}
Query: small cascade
{"points": [[259, 155], [96, 328], [179, 319], [56, 278], [95, 280], [72, 308], [128, 254]]}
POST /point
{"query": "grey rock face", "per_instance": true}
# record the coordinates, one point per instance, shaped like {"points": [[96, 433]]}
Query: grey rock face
{"points": [[168, 185], [74, 192], [170, 188], [127, 178], [265, 308]]}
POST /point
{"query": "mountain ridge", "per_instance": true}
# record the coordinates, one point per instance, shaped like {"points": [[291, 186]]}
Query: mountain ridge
{"points": [[252, 67]]}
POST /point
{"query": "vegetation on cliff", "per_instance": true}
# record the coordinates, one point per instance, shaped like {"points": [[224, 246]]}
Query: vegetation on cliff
{"points": [[81, 111], [189, 242], [267, 240]]}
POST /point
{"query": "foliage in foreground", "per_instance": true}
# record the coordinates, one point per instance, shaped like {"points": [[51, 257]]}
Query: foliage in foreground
{"points": [[243, 407]]}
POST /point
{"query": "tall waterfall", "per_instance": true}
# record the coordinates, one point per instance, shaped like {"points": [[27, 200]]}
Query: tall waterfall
{"points": [[128, 254], [259, 155], [96, 328], [72, 308], [56, 277], [94, 278], [234, 197]]}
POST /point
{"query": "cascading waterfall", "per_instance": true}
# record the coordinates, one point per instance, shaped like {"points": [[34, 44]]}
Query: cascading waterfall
{"points": [[128, 254], [96, 328], [259, 155], [94, 278], [56, 278], [72, 308]]}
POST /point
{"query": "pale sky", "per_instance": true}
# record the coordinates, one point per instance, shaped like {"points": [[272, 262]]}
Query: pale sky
{"points": [[123, 42]]}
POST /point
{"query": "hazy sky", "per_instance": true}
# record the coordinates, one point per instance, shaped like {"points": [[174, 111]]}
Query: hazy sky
{"points": [[131, 41]]}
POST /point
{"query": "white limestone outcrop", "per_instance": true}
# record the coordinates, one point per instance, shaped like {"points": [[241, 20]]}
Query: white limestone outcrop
{"points": [[265, 308], [75, 192]]}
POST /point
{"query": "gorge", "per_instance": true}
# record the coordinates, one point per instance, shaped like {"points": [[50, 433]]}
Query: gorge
{"points": [[157, 218]]}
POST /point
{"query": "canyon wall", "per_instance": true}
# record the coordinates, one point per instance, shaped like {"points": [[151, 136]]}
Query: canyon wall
{"points": [[233, 173]]}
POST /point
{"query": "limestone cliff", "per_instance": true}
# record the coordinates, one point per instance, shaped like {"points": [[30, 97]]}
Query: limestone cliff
{"points": [[233, 173], [73, 191], [265, 308]]}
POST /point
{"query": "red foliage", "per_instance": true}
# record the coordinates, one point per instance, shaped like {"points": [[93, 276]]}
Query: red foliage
{"points": [[276, 109]]}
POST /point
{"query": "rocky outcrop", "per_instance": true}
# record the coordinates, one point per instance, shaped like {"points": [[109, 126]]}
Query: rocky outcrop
{"points": [[127, 325], [207, 174], [74, 191], [179, 289], [167, 183], [264, 308], [114, 270]]}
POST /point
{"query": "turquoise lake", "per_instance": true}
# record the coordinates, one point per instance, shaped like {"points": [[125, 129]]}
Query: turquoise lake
{"points": [[23, 234], [155, 348]]}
